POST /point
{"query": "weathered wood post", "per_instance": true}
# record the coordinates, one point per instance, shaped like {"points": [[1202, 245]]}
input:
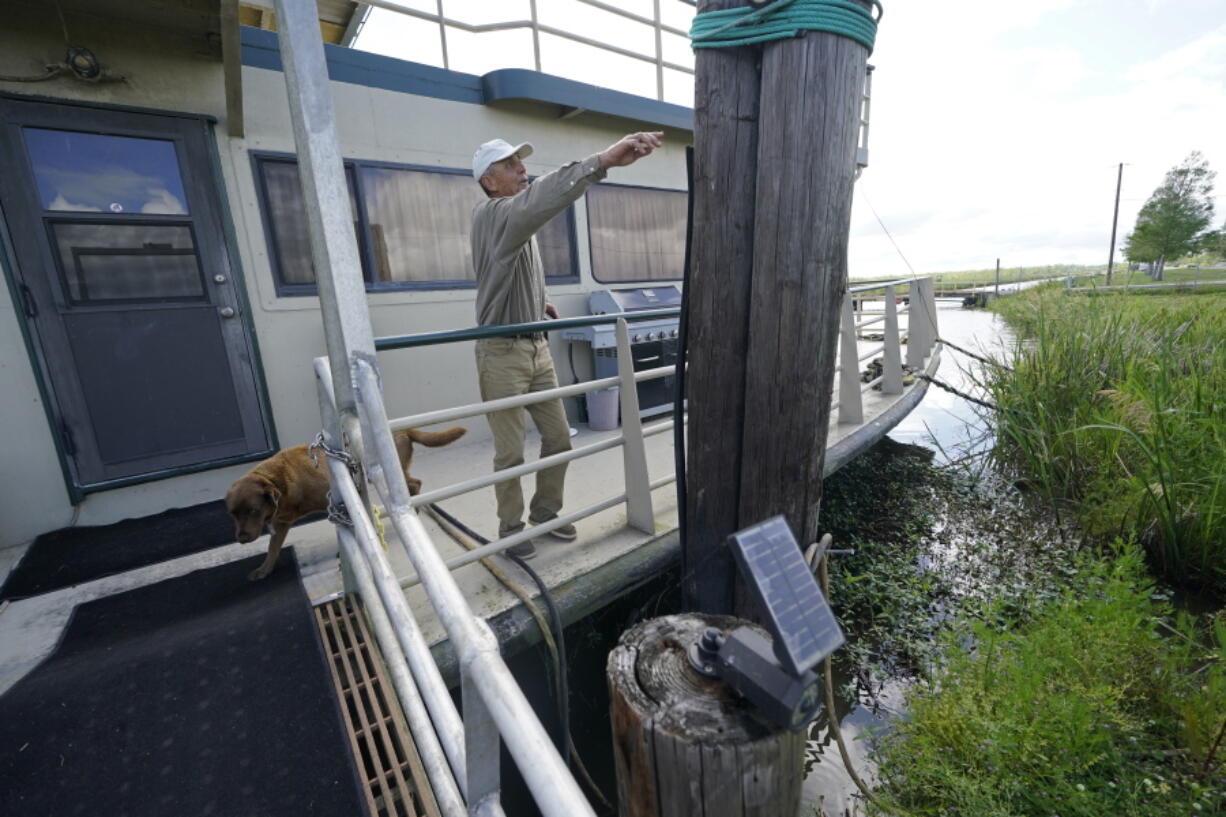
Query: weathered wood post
{"points": [[762, 334], [725, 177], [684, 744]]}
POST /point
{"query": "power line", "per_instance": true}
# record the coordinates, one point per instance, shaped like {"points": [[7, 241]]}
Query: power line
{"points": [[864, 191]]}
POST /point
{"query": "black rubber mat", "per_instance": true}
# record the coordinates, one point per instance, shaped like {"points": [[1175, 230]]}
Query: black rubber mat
{"points": [[205, 694], [70, 556]]}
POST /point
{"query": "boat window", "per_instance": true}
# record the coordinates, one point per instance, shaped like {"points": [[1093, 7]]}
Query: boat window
{"points": [[637, 233], [413, 226], [93, 172], [287, 223], [419, 223]]}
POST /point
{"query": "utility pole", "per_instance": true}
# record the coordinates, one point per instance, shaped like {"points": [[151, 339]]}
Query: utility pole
{"points": [[996, 293], [1114, 220]]}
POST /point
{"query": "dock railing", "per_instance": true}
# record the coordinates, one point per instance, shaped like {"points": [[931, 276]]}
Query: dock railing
{"points": [[918, 336], [493, 704]]}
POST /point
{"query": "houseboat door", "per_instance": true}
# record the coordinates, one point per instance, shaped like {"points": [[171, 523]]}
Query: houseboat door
{"points": [[126, 287]]}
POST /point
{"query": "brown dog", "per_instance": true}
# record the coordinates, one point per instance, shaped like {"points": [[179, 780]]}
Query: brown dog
{"points": [[291, 484]]}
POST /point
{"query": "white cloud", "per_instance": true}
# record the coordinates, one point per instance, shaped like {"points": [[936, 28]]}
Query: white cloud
{"points": [[61, 203], [164, 202], [1029, 134]]}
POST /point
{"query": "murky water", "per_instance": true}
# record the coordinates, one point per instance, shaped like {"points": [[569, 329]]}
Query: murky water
{"points": [[953, 429]]}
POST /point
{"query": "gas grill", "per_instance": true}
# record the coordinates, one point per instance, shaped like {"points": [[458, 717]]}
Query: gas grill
{"points": [[653, 342]]}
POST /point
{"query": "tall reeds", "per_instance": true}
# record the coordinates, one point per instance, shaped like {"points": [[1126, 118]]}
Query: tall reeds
{"points": [[1116, 406]]}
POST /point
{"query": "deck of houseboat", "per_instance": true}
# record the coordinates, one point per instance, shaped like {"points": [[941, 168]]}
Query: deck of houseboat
{"points": [[609, 558]]}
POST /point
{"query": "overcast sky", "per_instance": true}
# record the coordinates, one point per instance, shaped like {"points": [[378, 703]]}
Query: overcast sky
{"points": [[997, 128]]}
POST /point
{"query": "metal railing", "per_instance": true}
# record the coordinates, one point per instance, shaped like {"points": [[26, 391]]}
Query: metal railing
{"points": [[919, 338], [537, 28], [417, 678]]}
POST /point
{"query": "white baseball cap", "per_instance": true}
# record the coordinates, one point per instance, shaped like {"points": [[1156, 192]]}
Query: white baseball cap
{"points": [[496, 150]]}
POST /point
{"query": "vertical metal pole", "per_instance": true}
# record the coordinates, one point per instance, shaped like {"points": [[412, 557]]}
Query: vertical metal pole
{"points": [[917, 342], [659, 54], [1119, 180], [639, 512], [536, 36], [930, 315], [442, 36], [334, 249], [851, 405], [892, 371], [483, 742], [996, 292]]}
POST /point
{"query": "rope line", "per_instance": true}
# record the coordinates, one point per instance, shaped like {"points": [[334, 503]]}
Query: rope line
{"points": [[971, 354], [785, 19], [952, 390]]}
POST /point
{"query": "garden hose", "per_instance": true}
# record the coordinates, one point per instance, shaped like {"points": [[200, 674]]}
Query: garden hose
{"points": [[471, 540]]}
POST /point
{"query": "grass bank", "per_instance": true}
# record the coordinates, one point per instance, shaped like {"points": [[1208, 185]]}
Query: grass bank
{"points": [[1096, 706], [1116, 408]]}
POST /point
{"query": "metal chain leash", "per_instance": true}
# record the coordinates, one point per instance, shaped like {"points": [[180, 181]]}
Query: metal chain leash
{"points": [[337, 512]]}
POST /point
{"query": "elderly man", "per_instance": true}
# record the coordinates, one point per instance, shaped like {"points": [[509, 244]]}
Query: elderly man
{"points": [[511, 289]]}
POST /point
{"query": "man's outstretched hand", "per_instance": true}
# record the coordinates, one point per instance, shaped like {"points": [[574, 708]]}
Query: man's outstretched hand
{"points": [[630, 149]]}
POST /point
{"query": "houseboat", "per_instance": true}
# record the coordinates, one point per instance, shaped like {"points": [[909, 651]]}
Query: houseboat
{"points": [[162, 327]]}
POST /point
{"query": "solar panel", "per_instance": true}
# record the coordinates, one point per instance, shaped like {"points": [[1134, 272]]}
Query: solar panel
{"points": [[798, 616]]}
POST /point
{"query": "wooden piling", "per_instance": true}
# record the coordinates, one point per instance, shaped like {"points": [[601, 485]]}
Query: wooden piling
{"points": [[685, 744], [725, 161], [811, 92], [764, 302]]}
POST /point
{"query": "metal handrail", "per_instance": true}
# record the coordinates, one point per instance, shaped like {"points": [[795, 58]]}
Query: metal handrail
{"points": [[511, 329], [382, 589], [486, 679], [537, 28]]}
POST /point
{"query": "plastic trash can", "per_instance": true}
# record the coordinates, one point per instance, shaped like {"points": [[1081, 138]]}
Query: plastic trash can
{"points": [[602, 406]]}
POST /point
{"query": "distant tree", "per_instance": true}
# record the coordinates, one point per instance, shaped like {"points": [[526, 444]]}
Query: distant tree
{"points": [[1174, 219]]}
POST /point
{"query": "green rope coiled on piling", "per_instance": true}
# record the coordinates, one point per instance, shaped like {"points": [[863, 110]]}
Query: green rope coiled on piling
{"points": [[784, 19]]}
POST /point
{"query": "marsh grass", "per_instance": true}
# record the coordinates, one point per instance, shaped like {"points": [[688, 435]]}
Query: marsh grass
{"points": [[1116, 407], [1089, 709]]}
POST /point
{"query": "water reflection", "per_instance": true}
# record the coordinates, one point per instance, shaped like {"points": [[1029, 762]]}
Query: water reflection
{"points": [[944, 422]]}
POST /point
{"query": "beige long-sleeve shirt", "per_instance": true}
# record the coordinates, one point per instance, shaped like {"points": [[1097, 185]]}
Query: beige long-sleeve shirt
{"points": [[510, 276]]}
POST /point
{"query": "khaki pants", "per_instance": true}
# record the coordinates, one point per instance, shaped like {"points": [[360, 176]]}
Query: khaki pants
{"points": [[507, 367]]}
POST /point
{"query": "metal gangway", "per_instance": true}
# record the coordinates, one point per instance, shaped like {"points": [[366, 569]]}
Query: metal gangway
{"points": [[461, 755]]}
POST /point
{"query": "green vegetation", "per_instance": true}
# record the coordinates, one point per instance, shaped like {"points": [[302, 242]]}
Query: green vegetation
{"points": [[930, 545], [1008, 275], [1116, 407], [1055, 679], [1172, 275], [1088, 710]]}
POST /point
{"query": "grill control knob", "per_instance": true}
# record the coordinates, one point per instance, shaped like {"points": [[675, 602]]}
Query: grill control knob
{"points": [[651, 335], [673, 333], [636, 338]]}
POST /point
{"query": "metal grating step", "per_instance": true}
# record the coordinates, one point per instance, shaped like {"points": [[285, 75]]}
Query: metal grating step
{"points": [[394, 781]]}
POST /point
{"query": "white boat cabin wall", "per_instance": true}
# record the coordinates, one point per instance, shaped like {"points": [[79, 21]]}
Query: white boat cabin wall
{"points": [[157, 325]]}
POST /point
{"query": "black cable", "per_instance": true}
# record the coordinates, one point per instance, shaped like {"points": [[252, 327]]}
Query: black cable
{"points": [[562, 681], [679, 379]]}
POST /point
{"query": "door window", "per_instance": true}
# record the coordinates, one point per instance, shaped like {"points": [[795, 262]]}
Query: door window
{"points": [[96, 173], [127, 262]]}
